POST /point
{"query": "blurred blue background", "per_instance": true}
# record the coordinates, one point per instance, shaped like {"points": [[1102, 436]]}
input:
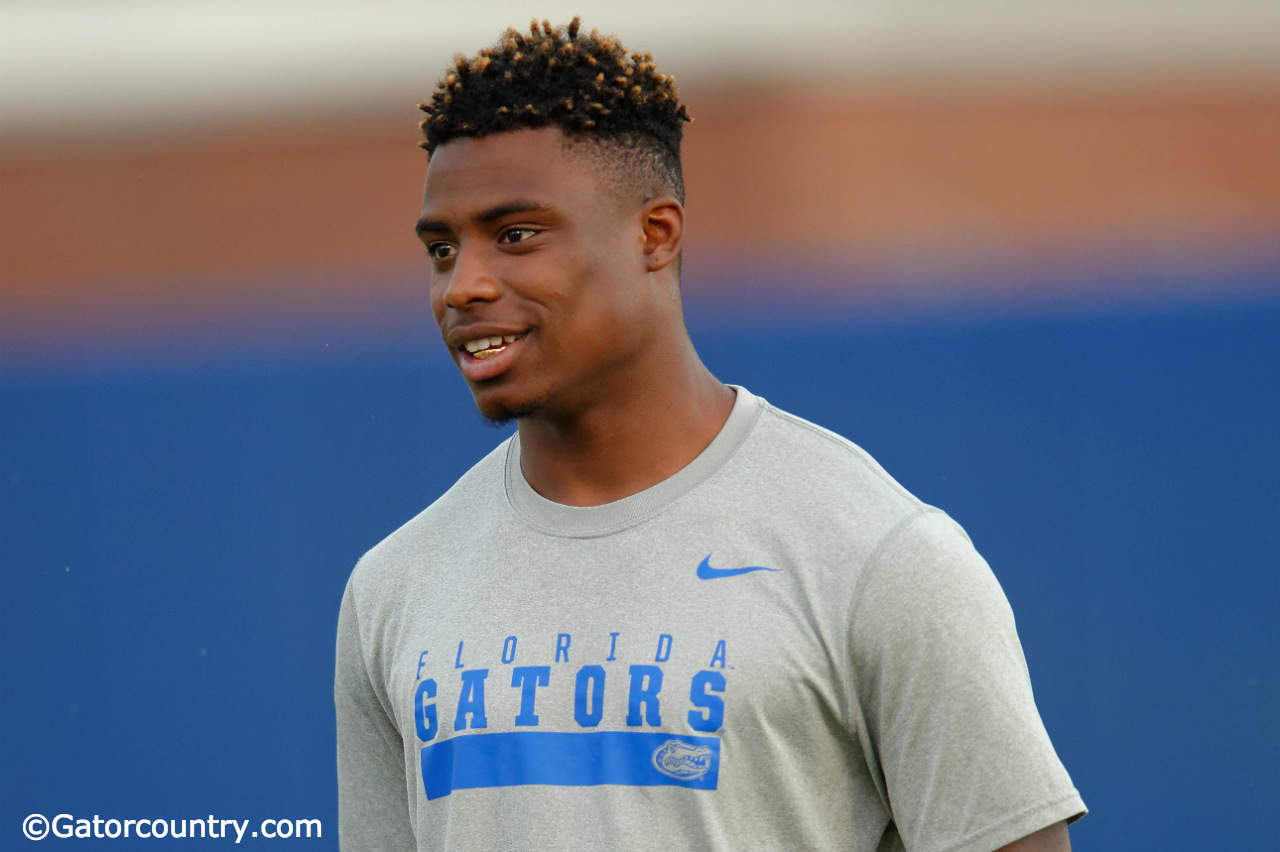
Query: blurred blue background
{"points": [[180, 534]]}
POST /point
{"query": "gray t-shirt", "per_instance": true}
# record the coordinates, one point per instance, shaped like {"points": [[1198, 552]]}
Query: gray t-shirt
{"points": [[776, 648]]}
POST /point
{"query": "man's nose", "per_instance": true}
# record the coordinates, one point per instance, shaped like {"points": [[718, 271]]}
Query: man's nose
{"points": [[471, 280]]}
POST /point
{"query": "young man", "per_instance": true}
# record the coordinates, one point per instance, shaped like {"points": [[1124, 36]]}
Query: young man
{"points": [[664, 614]]}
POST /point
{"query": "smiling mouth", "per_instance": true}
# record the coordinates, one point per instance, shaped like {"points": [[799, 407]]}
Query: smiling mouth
{"points": [[486, 347]]}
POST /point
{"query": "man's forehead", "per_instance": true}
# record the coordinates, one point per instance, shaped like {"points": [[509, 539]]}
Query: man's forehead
{"points": [[484, 170], [542, 165], [510, 155]]}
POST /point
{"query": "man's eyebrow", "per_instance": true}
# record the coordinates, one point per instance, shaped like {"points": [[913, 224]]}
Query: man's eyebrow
{"points": [[484, 217], [429, 226]]}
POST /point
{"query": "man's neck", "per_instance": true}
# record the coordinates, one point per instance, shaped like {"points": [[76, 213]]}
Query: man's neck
{"points": [[642, 434]]}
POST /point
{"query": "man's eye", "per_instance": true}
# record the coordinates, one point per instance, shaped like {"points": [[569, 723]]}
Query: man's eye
{"points": [[516, 235], [441, 250]]}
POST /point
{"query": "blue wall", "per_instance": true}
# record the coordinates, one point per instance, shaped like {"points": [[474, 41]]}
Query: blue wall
{"points": [[179, 534]]}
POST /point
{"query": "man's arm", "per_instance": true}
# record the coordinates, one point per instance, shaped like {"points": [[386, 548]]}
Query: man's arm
{"points": [[373, 805], [1053, 838], [947, 702]]}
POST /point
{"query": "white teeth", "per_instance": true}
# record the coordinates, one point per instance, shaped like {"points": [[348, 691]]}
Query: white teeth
{"points": [[483, 343]]}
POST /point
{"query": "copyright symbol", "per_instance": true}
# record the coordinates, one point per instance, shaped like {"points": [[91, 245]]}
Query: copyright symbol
{"points": [[35, 827]]}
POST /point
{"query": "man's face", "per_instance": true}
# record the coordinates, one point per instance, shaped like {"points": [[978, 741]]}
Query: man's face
{"points": [[538, 279]]}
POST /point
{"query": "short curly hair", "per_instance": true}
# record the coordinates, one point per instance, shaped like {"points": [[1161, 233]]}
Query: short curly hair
{"points": [[589, 86]]}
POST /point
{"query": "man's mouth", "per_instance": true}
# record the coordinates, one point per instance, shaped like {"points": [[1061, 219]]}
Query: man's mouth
{"points": [[486, 347]]}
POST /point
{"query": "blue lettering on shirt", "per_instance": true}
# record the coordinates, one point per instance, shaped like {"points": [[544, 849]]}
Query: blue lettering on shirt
{"points": [[471, 701], [529, 678]]}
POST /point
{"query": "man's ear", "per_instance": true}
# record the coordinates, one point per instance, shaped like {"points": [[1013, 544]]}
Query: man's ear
{"points": [[662, 221]]}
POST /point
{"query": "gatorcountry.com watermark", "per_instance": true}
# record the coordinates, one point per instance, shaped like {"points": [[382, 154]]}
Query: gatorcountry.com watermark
{"points": [[97, 827]]}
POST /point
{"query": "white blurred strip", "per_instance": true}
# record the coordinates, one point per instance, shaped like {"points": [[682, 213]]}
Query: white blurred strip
{"points": [[116, 63]]}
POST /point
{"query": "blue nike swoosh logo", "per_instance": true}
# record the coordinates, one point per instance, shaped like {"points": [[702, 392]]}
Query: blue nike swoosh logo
{"points": [[706, 572]]}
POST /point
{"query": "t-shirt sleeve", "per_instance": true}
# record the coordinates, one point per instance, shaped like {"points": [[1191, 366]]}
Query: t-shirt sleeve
{"points": [[373, 806], [946, 699]]}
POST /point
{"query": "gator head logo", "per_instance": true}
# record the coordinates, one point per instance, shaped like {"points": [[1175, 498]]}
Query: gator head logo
{"points": [[682, 760]]}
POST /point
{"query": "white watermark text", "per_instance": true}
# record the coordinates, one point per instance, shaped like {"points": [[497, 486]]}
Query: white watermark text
{"points": [[97, 827]]}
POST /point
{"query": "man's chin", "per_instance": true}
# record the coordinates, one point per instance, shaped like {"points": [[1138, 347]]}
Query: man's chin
{"points": [[497, 412]]}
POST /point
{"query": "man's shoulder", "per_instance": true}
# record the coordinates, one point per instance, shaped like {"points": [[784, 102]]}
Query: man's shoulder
{"points": [[798, 454], [465, 505], [823, 496]]}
